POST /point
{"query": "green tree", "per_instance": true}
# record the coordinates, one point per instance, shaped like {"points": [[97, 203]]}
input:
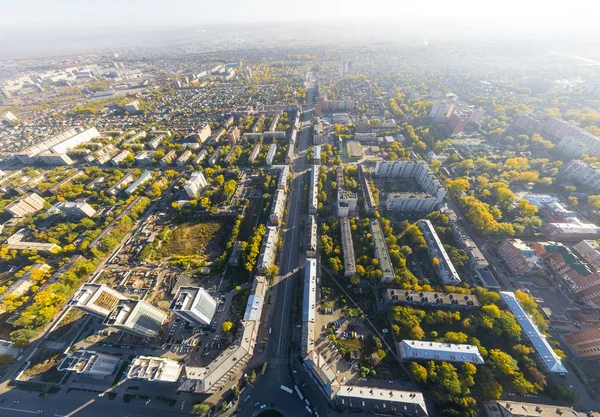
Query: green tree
{"points": [[419, 372]]}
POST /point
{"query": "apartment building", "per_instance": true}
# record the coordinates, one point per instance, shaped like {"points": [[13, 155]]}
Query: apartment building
{"points": [[277, 208], [309, 301], [582, 173], [441, 261], [381, 252], [195, 184], [347, 247], [313, 190], [28, 204], [419, 171], [268, 250], [78, 210], [143, 179], [585, 344], [589, 250]]}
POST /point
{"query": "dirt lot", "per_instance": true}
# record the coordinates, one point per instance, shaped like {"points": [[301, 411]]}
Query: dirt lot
{"points": [[201, 240]]}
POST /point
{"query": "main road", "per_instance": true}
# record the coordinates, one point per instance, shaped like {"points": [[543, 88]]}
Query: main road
{"points": [[267, 390]]}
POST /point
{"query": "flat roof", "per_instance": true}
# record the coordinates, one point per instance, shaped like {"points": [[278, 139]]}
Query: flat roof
{"points": [[413, 401], [424, 297], [449, 352], [535, 336]]}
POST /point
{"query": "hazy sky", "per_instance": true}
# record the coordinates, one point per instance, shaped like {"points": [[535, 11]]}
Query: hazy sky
{"points": [[31, 14]]}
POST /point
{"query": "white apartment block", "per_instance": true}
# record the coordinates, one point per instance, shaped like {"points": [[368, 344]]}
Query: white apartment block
{"points": [[119, 158], [143, 179], [582, 173], [195, 184], [313, 190], [28, 204], [271, 154], [76, 209], [417, 170], [184, 158], [411, 202]]}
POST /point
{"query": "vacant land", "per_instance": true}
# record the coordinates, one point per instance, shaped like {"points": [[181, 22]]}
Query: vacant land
{"points": [[201, 241]]}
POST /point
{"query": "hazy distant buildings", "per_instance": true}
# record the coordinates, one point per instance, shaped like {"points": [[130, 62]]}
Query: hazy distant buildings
{"points": [[132, 106], [583, 173]]}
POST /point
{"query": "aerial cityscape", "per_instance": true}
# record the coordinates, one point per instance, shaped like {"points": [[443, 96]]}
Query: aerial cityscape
{"points": [[298, 220]]}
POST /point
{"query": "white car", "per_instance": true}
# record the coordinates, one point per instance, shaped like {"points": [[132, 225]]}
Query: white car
{"points": [[262, 407]]}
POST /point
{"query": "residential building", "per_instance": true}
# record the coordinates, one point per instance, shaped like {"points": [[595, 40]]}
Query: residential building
{"points": [[144, 157], [58, 146], [271, 154], [28, 204], [137, 317], [233, 135], [381, 252], [313, 190], [184, 158], [589, 250], [46, 248], [277, 208], [441, 111], [132, 106], [585, 344], [506, 408], [321, 133], [96, 299], [254, 153], [347, 247], [195, 305], [518, 257], [458, 121], [10, 118], [120, 184], [155, 143], [90, 363], [346, 203], [212, 161], [78, 210], [546, 355], [448, 301], [582, 173], [153, 369], [284, 173], [312, 238], [368, 199], [143, 179], [22, 285], [322, 374], [411, 202], [317, 155], [380, 401], [573, 140], [365, 137], [204, 132], [419, 171], [118, 159], [309, 302], [200, 157], [441, 261], [268, 250], [411, 350], [195, 184]]}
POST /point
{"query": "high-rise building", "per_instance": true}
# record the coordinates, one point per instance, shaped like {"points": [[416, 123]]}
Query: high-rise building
{"points": [[195, 184], [441, 111], [233, 135], [195, 305], [137, 317]]}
